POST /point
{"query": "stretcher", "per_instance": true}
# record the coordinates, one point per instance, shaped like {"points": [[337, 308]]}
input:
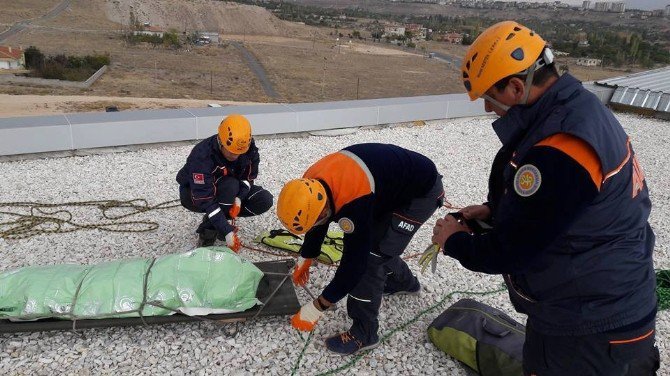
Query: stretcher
{"points": [[275, 290]]}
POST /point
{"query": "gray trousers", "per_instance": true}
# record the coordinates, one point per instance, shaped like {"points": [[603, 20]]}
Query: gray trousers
{"points": [[385, 267]]}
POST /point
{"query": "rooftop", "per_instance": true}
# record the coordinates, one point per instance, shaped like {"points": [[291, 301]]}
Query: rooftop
{"points": [[462, 150]]}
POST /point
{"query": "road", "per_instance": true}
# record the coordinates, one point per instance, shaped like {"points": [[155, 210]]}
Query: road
{"points": [[258, 70], [456, 62], [22, 25]]}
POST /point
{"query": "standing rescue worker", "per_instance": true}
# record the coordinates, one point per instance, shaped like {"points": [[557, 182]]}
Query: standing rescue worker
{"points": [[379, 195], [569, 207], [218, 180]]}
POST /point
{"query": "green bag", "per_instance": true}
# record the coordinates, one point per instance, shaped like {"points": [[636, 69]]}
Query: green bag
{"points": [[484, 338], [331, 249]]}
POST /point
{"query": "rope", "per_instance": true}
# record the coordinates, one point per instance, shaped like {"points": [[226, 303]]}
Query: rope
{"points": [[391, 332], [43, 218], [663, 289]]}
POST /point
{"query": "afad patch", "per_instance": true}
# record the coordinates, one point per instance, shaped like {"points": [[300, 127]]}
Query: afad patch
{"points": [[346, 224], [198, 178], [527, 180]]}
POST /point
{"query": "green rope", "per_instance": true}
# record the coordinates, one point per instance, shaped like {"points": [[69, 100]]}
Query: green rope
{"points": [[43, 218], [302, 352], [390, 333], [663, 289]]}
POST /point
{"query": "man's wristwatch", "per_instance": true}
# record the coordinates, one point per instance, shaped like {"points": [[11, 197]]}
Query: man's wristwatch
{"points": [[320, 304]]}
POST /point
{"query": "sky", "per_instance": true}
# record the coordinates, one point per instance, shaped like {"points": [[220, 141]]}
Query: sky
{"points": [[636, 4]]}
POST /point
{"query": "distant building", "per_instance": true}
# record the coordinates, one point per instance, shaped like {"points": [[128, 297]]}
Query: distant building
{"points": [[208, 37], [150, 30], [455, 38], [586, 5], [667, 11], [394, 31], [588, 62], [618, 7], [602, 6], [417, 30], [12, 58]]}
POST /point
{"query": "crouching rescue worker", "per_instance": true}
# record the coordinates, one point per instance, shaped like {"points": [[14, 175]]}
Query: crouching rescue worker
{"points": [[218, 180], [569, 207], [379, 195]]}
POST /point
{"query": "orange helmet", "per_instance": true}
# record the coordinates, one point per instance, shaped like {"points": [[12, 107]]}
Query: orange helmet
{"points": [[504, 49], [235, 134], [300, 203]]}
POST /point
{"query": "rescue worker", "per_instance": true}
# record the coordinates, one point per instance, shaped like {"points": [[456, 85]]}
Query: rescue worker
{"points": [[218, 180], [379, 195], [569, 205]]}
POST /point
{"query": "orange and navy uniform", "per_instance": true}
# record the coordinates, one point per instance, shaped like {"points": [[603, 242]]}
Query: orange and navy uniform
{"points": [[205, 166], [364, 182], [570, 211]]}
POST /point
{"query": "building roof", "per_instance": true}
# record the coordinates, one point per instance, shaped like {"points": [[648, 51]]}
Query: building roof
{"points": [[647, 90], [8, 52], [653, 80]]}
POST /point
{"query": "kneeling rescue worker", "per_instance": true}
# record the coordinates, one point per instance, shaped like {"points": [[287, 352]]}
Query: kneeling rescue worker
{"points": [[569, 205], [218, 180], [379, 195]]}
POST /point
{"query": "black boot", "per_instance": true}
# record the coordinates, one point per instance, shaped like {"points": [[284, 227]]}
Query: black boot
{"points": [[206, 233]]}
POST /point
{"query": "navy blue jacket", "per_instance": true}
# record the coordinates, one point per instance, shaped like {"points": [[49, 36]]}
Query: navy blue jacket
{"points": [[205, 166], [364, 183], [570, 209]]}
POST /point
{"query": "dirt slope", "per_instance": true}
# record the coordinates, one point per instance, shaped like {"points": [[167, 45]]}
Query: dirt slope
{"points": [[231, 18]]}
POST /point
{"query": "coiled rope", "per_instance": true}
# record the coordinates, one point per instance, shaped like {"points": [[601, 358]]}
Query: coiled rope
{"points": [[36, 218]]}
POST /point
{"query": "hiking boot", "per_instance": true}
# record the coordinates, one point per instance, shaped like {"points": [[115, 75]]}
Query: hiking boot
{"points": [[413, 289], [206, 233], [207, 237], [346, 344]]}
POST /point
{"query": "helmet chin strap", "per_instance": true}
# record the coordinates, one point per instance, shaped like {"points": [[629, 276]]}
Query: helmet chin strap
{"points": [[530, 73]]}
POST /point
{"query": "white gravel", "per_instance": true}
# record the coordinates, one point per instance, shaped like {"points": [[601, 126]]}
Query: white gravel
{"points": [[462, 150]]}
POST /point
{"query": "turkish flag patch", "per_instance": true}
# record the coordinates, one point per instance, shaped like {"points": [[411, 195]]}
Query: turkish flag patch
{"points": [[198, 178]]}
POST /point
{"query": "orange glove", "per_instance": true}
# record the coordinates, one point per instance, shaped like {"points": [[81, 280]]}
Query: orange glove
{"points": [[307, 317], [301, 271], [236, 208], [233, 241]]}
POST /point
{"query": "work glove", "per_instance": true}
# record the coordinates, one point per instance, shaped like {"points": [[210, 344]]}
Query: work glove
{"points": [[233, 241], [429, 257], [307, 317], [236, 208], [301, 271]]}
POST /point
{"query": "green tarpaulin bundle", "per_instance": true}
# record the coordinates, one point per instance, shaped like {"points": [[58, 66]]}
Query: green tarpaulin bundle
{"points": [[331, 249], [198, 282]]}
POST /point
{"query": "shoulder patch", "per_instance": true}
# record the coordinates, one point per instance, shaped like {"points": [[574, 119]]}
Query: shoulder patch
{"points": [[346, 224], [527, 180], [198, 178]]}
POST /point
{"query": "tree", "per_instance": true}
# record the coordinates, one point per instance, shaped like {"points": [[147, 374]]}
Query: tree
{"points": [[34, 58], [171, 39]]}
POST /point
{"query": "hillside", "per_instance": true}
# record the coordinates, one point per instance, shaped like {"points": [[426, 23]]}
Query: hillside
{"points": [[231, 18]]}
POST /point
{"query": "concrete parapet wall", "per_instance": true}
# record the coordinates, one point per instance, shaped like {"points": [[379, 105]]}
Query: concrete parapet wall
{"points": [[36, 134]]}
